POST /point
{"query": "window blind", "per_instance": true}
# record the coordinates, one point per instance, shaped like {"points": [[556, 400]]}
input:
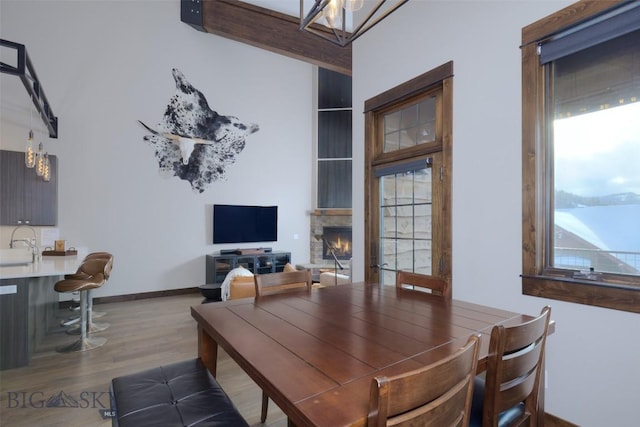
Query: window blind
{"points": [[620, 21], [411, 166]]}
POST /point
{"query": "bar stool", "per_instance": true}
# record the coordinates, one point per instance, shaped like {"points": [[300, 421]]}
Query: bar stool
{"points": [[73, 320], [98, 255], [94, 274], [91, 325]]}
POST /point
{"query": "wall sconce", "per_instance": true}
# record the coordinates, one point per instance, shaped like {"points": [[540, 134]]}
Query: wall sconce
{"points": [[338, 15]]}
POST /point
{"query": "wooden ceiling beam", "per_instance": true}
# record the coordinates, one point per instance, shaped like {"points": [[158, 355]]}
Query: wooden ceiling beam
{"points": [[270, 30]]}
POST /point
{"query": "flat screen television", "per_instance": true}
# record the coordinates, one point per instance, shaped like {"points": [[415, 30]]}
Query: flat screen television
{"points": [[241, 224]]}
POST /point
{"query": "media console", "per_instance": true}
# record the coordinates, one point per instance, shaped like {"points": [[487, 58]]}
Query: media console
{"points": [[217, 266]]}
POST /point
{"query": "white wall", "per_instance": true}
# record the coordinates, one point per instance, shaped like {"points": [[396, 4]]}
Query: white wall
{"points": [[593, 357], [106, 64]]}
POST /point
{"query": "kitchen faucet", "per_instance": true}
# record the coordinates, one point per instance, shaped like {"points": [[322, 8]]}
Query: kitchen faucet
{"points": [[31, 243]]}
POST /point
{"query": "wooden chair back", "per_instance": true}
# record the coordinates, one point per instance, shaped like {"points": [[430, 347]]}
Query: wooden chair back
{"points": [[435, 285], [436, 395], [514, 368], [277, 282]]}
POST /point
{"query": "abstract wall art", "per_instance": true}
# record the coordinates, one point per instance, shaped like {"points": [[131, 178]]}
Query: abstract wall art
{"points": [[192, 141]]}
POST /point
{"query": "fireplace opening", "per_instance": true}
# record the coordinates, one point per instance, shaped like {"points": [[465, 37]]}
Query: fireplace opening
{"points": [[340, 240]]}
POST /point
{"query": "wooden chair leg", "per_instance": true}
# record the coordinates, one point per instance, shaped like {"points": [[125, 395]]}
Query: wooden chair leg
{"points": [[265, 405]]}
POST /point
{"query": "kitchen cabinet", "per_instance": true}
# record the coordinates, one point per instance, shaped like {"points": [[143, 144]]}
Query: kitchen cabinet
{"points": [[29, 317], [26, 197], [29, 313], [14, 309]]}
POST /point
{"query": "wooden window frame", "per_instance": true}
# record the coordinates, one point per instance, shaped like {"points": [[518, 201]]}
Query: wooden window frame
{"points": [[437, 79], [614, 291]]}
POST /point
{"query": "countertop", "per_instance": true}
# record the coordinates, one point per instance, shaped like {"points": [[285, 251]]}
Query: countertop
{"points": [[47, 266]]}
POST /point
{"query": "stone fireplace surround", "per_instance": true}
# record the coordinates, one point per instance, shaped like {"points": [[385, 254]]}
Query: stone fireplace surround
{"points": [[319, 220]]}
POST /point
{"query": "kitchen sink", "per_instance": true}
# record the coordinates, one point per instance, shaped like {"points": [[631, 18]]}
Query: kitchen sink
{"points": [[14, 263], [15, 257]]}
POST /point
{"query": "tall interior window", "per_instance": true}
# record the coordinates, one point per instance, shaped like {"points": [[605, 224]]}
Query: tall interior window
{"points": [[582, 194], [334, 140], [408, 158]]}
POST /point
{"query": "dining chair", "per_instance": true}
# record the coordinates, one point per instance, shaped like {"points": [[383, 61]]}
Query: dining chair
{"points": [[510, 393], [435, 285], [438, 394], [286, 280], [279, 282]]}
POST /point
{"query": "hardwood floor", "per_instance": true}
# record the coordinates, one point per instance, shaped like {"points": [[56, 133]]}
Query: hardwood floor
{"points": [[142, 334]]}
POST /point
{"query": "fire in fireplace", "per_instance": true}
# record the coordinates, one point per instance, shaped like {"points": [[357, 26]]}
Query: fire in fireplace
{"points": [[340, 240]]}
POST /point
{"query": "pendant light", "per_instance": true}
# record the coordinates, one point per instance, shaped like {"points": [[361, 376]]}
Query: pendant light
{"points": [[333, 13], [46, 173], [29, 153], [353, 5], [40, 160], [343, 24]]}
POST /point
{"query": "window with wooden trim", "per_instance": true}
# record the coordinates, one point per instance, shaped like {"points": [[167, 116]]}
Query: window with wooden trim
{"points": [[408, 162], [581, 155]]}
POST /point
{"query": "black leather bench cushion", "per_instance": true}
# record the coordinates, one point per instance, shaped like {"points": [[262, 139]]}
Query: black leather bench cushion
{"points": [[180, 394]]}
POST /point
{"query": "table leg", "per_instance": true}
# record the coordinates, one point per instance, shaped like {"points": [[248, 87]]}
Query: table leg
{"points": [[207, 350]]}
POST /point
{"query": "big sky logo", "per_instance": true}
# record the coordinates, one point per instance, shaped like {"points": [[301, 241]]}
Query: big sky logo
{"points": [[85, 400]]}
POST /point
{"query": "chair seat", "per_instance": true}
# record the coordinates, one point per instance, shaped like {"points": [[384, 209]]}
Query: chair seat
{"points": [[73, 285], [77, 276], [505, 418]]}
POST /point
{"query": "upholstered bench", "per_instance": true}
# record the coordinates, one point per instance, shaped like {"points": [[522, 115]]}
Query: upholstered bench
{"points": [[180, 394]]}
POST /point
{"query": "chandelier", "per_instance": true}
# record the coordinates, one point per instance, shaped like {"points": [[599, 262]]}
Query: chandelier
{"points": [[24, 69], [339, 16]]}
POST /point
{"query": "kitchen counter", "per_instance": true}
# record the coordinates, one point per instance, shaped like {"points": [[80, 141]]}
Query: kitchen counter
{"points": [[29, 313], [48, 266]]}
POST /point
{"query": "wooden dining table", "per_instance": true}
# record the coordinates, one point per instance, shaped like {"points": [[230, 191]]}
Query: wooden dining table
{"points": [[315, 352]]}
